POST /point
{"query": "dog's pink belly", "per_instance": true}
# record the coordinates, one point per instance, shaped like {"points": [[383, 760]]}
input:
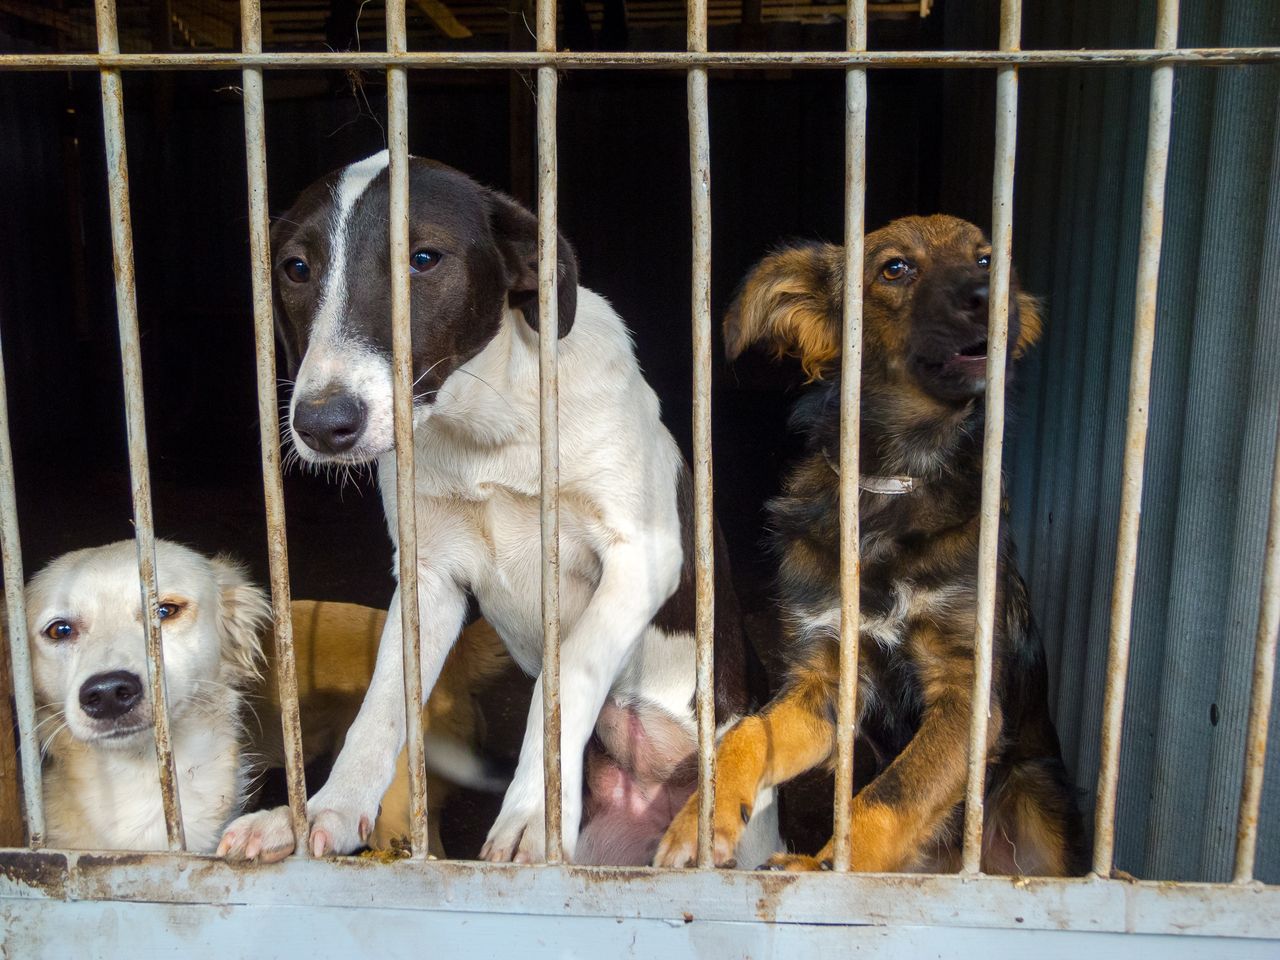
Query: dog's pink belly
{"points": [[640, 771]]}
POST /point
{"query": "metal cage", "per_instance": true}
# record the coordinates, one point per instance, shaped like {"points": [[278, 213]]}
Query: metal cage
{"points": [[559, 908]]}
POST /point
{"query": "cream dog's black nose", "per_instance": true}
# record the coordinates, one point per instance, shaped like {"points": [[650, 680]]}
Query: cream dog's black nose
{"points": [[330, 424], [106, 696]]}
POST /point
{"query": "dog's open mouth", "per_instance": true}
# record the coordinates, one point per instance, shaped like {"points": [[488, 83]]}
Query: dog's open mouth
{"points": [[971, 360]]}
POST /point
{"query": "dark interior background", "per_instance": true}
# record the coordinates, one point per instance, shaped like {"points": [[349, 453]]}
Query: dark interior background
{"points": [[777, 154]]}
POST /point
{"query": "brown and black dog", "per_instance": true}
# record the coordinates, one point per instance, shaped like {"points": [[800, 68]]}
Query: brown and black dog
{"points": [[924, 374]]}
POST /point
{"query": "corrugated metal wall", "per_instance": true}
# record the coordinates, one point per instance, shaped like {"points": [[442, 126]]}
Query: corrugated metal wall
{"points": [[1214, 409]]}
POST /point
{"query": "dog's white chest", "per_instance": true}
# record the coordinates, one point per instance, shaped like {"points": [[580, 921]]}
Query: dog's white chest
{"points": [[509, 589]]}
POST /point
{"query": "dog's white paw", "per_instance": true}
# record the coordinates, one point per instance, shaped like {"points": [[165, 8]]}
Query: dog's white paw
{"points": [[339, 831], [266, 835], [517, 837]]}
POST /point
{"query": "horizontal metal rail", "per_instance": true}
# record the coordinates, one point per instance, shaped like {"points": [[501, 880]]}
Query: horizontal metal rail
{"points": [[637, 60], [990, 902]]}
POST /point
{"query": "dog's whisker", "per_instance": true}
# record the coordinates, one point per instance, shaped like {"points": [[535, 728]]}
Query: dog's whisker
{"points": [[44, 747], [418, 380], [496, 392]]}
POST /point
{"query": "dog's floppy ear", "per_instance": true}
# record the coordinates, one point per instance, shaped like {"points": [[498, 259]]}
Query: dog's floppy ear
{"points": [[516, 232], [281, 229], [791, 301], [1030, 318], [243, 616]]}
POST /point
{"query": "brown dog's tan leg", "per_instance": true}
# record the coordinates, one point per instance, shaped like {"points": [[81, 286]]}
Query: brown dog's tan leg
{"points": [[791, 735], [899, 811]]}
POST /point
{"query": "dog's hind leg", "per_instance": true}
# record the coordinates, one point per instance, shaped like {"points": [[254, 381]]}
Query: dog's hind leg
{"points": [[638, 577], [1032, 826]]}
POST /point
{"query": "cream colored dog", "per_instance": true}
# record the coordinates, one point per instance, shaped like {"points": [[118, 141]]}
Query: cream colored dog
{"points": [[101, 785], [84, 610]]}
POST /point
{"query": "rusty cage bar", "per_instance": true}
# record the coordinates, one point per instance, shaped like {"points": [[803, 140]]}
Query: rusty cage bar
{"points": [[1097, 902]]}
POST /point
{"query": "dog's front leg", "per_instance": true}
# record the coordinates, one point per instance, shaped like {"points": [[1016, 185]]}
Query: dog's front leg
{"points": [[636, 581], [342, 813], [895, 816]]}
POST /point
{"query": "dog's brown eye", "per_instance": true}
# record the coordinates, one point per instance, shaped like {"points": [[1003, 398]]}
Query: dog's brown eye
{"points": [[167, 610], [423, 260], [59, 630], [895, 269], [297, 270], [984, 261]]}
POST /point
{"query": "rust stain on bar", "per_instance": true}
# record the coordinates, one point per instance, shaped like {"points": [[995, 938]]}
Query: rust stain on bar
{"points": [[1264, 675], [402, 398], [1135, 443], [703, 523], [993, 441], [638, 60], [135, 415], [855, 186], [16, 606], [268, 423], [548, 407]]}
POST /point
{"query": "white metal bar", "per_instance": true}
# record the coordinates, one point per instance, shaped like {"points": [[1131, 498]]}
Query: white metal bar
{"points": [[16, 607], [548, 412], [1159, 121], [993, 440], [855, 188], [255, 142], [703, 522], [1264, 675], [402, 399], [135, 413], [643, 60]]}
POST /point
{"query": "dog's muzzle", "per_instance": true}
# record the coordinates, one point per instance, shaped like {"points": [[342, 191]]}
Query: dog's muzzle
{"points": [[330, 424], [109, 696]]}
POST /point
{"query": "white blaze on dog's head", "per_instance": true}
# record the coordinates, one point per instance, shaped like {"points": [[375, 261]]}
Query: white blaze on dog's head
{"points": [[87, 637], [473, 259]]}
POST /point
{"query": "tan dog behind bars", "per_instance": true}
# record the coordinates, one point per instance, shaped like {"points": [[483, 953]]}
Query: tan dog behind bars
{"points": [[335, 646], [924, 375]]}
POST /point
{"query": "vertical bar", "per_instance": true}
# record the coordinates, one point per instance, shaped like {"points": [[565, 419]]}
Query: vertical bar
{"points": [[402, 398], [135, 411], [1264, 675], [1159, 121], [855, 188], [703, 524], [255, 143], [548, 411], [993, 440], [16, 606]]}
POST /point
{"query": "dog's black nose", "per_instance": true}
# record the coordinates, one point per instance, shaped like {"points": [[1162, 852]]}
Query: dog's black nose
{"points": [[972, 297], [106, 696], [330, 424]]}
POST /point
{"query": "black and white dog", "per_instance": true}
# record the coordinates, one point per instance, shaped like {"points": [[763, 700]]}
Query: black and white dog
{"points": [[627, 660]]}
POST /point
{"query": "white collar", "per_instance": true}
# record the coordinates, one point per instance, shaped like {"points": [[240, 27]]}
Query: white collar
{"points": [[886, 486]]}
